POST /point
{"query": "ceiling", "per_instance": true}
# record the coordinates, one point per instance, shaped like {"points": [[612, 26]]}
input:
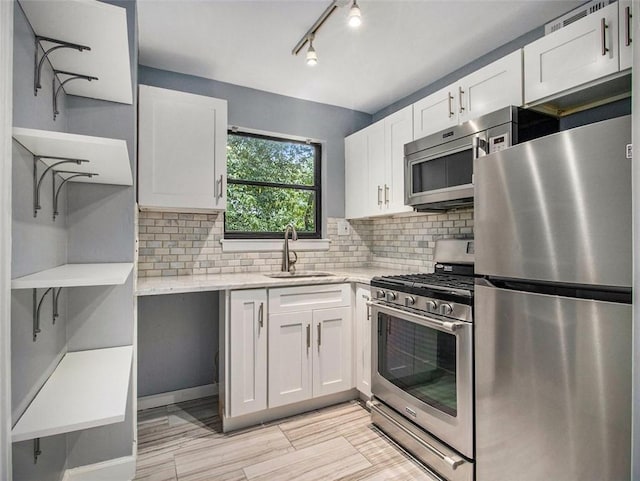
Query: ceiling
{"points": [[400, 47]]}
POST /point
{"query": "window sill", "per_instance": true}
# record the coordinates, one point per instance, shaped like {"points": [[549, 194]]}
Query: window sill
{"points": [[273, 245]]}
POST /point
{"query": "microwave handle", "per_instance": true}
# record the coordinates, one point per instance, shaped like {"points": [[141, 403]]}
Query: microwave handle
{"points": [[480, 147]]}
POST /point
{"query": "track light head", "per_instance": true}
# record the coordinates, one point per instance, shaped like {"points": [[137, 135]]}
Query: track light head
{"points": [[355, 16], [312, 56]]}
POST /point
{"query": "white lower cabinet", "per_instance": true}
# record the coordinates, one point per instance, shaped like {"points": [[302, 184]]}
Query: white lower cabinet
{"points": [[310, 349], [287, 345], [362, 318], [290, 357], [248, 351]]}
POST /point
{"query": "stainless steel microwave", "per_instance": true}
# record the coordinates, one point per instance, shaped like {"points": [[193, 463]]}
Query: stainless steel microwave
{"points": [[439, 168]]}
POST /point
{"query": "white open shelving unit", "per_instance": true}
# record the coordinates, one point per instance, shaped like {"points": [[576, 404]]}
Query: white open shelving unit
{"points": [[76, 275], [86, 390], [99, 26], [108, 158]]}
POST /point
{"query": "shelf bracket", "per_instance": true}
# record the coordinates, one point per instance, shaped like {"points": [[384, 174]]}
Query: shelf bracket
{"points": [[37, 305], [56, 296], [40, 61], [36, 450], [37, 180], [56, 91], [56, 191]]}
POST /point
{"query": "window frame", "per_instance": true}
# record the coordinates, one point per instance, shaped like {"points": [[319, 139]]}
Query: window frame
{"points": [[316, 188]]}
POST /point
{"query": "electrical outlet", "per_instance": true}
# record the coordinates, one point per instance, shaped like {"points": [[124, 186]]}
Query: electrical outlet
{"points": [[343, 227]]}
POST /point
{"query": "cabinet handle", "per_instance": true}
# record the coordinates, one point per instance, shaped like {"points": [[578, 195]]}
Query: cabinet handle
{"points": [[460, 92], [319, 334], [603, 32], [220, 187], [450, 104], [379, 195], [627, 26], [386, 194], [308, 336], [261, 314]]}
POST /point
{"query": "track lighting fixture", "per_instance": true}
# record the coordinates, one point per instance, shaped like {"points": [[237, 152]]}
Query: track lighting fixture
{"points": [[312, 56], [354, 20], [355, 16]]}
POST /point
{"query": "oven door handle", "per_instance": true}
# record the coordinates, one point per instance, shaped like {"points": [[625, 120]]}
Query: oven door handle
{"points": [[449, 326]]}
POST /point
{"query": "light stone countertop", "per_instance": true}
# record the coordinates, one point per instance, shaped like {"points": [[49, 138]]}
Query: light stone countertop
{"points": [[151, 286]]}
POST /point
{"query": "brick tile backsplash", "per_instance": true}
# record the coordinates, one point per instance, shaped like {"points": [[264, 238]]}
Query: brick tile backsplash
{"points": [[171, 244]]}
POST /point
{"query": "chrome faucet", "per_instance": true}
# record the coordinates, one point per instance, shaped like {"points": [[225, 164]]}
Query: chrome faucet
{"points": [[287, 263]]}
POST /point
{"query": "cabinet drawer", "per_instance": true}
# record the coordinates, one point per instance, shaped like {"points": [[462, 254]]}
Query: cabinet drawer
{"points": [[303, 298]]}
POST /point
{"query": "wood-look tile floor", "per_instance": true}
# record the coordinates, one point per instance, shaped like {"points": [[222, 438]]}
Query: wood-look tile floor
{"points": [[184, 442]]}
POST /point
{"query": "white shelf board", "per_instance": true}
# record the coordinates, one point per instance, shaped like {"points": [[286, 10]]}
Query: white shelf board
{"points": [[97, 25], [109, 158], [86, 390], [76, 275]]}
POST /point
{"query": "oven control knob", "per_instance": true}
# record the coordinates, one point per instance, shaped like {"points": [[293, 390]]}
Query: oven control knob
{"points": [[432, 306], [446, 309], [409, 301], [391, 296], [380, 294]]}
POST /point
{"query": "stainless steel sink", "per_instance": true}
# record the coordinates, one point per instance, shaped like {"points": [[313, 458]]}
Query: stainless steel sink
{"points": [[296, 274]]}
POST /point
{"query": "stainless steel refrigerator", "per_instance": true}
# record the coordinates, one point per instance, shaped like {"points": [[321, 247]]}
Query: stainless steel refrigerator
{"points": [[553, 339]]}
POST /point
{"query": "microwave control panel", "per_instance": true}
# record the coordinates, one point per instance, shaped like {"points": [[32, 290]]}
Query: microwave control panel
{"points": [[499, 142]]}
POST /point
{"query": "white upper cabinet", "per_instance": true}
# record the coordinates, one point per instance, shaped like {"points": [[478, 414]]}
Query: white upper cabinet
{"points": [[356, 166], [434, 113], [182, 151], [374, 167], [398, 131], [626, 33], [375, 161], [572, 56], [490, 88], [493, 87]]}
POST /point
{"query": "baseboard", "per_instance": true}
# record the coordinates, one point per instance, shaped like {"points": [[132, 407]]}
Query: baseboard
{"points": [[271, 414], [119, 469], [166, 398]]}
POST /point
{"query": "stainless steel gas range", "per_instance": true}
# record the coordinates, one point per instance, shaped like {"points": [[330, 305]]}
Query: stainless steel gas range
{"points": [[422, 353]]}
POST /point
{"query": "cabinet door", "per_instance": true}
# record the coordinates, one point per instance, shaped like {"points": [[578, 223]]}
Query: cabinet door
{"points": [[290, 357], [363, 341], [398, 130], [332, 361], [626, 33], [356, 172], [376, 161], [434, 113], [493, 87], [248, 351], [182, 150], [574, 55]]}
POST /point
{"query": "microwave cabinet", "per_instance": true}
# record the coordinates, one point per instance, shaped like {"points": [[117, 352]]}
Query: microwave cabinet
{"points": [[490, 88]]}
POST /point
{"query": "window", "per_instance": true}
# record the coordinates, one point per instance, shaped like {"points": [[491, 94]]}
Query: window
{"points": [[271, 182]]}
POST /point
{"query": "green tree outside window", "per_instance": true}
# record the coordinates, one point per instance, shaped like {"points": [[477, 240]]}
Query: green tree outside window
{"points": [[271, 182]]}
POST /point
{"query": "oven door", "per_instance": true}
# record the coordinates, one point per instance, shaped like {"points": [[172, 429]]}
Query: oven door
{"points": [[422, 367]]}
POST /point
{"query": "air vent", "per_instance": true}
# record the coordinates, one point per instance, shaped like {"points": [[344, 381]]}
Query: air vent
{"points": [[576, 14]]}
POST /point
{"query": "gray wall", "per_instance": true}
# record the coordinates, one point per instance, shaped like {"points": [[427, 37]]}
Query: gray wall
{"points": [[179, 341], [635, 452], [96, 224], [256, 109], [38, 243]]}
